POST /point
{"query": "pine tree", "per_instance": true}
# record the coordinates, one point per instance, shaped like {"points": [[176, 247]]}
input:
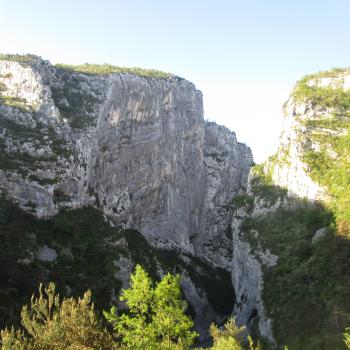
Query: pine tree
{"points": [[156, 317]]}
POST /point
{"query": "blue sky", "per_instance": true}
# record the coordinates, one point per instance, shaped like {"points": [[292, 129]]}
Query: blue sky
{"points": [[244, 55]]}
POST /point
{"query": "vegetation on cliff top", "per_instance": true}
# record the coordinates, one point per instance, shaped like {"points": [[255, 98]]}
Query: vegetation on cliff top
{"points": [[24, 59], [106, 69], [91, 68]]}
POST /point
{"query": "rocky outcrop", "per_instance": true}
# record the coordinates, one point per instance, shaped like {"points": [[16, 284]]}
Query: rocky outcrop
{"points": [[136, 147], [303, 116], [289, 170]]}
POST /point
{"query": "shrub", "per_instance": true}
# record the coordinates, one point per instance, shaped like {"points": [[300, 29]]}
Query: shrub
{"points": [[50, 324], [230, 337]]}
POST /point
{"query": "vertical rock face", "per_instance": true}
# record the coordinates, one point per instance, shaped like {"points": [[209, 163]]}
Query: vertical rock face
{"points": [[227, 165], [147, 172], [289, 169], [136, 147]]}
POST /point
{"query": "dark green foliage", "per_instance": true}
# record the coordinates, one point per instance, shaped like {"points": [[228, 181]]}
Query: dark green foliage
{"points": [[89, 266], [262, 186], [86, 249], [243, 201], [306, 293]]}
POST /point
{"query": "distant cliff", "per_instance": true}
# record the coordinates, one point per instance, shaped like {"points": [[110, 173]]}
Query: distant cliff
{"points": [[291, 231]]}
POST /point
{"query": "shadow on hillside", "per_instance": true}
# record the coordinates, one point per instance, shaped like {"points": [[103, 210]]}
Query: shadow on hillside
{"points": [[307, 293]]}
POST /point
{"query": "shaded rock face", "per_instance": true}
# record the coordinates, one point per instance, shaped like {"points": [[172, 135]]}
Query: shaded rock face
{"points": [[248, 276], [136, 147], [227, 164]]}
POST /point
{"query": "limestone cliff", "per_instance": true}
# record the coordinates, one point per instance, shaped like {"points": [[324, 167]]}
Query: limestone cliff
{"points": [[136, 147]]}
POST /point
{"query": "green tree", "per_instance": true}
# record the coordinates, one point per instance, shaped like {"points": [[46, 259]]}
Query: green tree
{"points": [[170, 322], [50, 324], [135, 328], [156, 317]]}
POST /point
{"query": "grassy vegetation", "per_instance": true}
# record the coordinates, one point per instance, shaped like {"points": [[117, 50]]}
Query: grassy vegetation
{"points": [[12, 101], [306, 293], [243, 201], [90, 68], [326, 97], [106, 69], [16, 102], [332, 73], [22, 163]]}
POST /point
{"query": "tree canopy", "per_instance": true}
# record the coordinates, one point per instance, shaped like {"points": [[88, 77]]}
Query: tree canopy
{"points": [[156, 315]]}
